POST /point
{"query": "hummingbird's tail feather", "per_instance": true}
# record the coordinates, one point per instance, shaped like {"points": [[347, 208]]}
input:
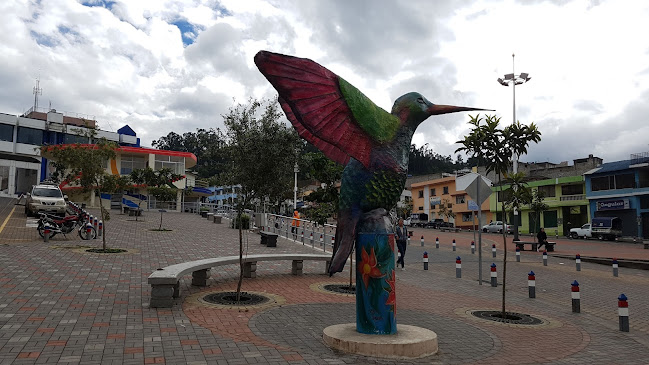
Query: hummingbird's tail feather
{"points": [[344, 241]]}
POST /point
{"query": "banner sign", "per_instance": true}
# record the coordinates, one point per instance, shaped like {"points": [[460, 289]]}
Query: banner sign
{"points": [[617, 204]]}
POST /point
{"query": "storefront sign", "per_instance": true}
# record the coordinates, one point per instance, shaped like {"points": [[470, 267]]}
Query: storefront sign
{"points": [[617, 204], [435, 201]]}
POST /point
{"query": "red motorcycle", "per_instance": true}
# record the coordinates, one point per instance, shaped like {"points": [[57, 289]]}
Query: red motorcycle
{"points": [[65, 225]]}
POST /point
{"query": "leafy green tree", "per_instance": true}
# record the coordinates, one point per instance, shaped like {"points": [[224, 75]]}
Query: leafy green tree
{"points": [[518, 194], [159, 184], [85, 166], [325, 198], [424, 160], [261, 153], [208, 145], [496, 147], [445, 211], [538, 207]]}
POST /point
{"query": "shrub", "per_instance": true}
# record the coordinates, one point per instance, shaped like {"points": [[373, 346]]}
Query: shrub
{"points": [[245, 222]]}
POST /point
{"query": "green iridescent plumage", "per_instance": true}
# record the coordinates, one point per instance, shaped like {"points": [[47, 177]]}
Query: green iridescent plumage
{"points": [[379, 124]]}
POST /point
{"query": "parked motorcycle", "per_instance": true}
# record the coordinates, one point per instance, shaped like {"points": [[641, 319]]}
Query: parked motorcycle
{"points": [[65, 225]]}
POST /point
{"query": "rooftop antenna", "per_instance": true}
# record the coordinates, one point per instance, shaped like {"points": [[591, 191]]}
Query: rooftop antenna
{"points": [[37, 91]]}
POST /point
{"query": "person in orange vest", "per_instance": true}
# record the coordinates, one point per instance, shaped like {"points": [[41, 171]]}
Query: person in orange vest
{"points": [[296, 222]]}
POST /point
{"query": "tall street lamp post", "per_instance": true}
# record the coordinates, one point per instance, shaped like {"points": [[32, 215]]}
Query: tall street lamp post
{"points": [[296, 169], [513, 80]]}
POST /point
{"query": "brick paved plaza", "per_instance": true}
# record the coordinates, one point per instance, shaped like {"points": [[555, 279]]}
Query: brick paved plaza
{"points": [[61, 305]]}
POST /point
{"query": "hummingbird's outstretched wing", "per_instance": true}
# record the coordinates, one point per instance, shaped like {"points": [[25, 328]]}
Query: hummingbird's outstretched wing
{"points": [[325, 109]]}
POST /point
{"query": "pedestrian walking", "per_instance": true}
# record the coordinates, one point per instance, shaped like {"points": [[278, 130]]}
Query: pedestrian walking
{"points": [[402, 237], [543, 238]]}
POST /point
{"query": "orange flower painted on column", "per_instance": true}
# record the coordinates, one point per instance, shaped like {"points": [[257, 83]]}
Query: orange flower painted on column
{"points": [[367, 266], [392, 297]]}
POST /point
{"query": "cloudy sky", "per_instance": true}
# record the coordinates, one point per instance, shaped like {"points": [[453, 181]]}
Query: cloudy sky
{"points": [[178, 65]]}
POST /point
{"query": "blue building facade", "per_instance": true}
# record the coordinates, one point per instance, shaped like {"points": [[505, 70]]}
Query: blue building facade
{"points": [[621, 189]]}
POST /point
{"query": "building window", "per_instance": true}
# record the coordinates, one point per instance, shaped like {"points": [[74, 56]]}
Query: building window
{"points": [[446, 190], [75, 138], [550, 218], [421, 208], [466, 217], [621, 181], [162, 162], [130, 163], [547, 191], [460, 199], [432, 192], [6, 132], [625, 181], [600, 183], [506, 194], [420, 193], [572, 189], [30, 136]]}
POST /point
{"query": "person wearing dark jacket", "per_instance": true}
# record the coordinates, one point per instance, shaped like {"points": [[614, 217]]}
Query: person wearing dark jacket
{"points": [[402, 238], [542, 237]]}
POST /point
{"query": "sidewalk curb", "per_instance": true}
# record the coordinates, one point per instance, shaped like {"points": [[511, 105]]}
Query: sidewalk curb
{"points": [[633, 264]]}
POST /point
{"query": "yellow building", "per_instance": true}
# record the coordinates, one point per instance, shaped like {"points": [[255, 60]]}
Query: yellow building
{"points": [[428, 196]]}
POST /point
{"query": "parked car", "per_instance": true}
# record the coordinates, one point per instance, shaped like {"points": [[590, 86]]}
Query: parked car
{"points": [[45, 198], [496, 227], [406, 222], [581, 232], [418, 219], [606, 228], [435, 223], [445, 225]]}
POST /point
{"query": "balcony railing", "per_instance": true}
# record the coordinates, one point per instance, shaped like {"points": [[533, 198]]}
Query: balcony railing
{"points": [[573, 197]]}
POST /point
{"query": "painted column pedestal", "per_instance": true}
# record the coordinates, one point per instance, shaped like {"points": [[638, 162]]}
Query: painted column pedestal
{"points": [[375, 284]]}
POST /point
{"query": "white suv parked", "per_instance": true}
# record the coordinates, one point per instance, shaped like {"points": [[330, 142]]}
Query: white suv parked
{"points": [[45, 198], [496, 227]]}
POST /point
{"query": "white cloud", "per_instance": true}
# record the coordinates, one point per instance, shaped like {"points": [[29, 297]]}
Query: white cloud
{"points": [[129, 65]]}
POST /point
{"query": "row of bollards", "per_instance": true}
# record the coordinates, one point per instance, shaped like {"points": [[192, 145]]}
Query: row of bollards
{"points": [[623, 307]]}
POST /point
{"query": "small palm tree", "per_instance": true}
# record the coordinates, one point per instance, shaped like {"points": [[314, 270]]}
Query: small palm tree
{"points": [[496, 147]]}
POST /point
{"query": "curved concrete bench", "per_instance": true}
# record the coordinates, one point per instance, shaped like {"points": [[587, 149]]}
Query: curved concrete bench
{"points": [[165, 284]]}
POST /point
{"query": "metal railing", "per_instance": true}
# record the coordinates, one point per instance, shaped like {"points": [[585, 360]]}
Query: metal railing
{"points": [[572, 197], [301, 230]]}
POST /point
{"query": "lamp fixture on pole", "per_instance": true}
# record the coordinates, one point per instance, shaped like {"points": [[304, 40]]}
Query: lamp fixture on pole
{"points": [[513, 80]]}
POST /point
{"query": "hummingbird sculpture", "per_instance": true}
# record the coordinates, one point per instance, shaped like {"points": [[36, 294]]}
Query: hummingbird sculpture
{"points": [[350, 129]]}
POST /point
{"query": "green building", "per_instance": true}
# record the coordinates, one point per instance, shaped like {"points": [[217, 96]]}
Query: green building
{"points": [[564, 189]]}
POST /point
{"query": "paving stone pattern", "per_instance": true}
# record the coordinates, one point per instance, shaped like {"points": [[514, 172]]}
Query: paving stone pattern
{"points": [[59, 305]]}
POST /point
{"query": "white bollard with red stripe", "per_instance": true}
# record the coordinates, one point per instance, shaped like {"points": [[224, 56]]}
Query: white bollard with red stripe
{"points": [[531, 284], [576, 297], [494, 275], [623, 312], [453, 244], [422, 241]]}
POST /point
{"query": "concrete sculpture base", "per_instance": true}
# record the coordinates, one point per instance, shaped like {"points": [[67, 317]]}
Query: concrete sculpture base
{"points": [[410, 342]]}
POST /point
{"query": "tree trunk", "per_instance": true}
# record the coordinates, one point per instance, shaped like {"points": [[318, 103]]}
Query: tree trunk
{"points": [[239, 211]]}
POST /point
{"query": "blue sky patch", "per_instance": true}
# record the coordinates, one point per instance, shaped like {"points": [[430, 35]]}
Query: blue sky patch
{"points": [[188, 31], [108, 4], [44, 39]]}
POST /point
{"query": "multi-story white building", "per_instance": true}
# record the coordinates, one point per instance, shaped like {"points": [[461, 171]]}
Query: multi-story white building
{"points": [[21, 164]]}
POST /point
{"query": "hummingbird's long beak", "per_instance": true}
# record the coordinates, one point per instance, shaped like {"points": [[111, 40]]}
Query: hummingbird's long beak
{"points": [[445, 109]]}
